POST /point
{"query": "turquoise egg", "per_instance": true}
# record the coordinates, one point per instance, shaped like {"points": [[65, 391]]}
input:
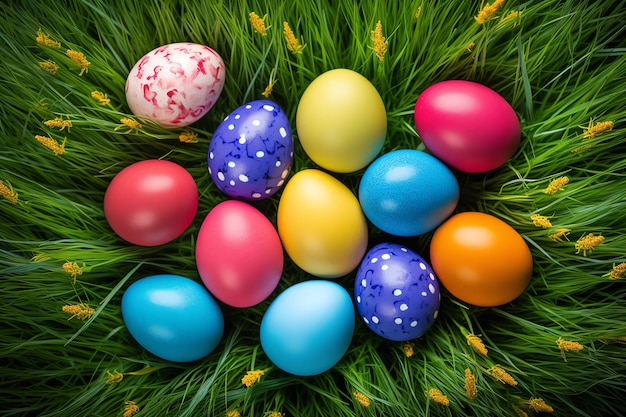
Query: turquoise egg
{"points": [[308, 328], [173, 317], [408, 192]]}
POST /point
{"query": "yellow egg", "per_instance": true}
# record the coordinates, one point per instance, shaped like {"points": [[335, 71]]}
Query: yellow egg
{"points": [[321, 225], [341, 121]]}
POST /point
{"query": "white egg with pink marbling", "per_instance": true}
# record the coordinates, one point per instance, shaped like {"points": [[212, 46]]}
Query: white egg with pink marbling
{"points": [[175, 84]]}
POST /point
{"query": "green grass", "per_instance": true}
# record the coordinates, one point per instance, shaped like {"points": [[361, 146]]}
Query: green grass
{"points": [[559, 64]]}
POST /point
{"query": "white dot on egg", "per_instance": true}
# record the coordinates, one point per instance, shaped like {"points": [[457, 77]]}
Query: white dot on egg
{"points": [[436, 314], [248, 107], [424, 293], [284, 173], [231, 182], [366, 320], [431, 288], [279, 183], [242, 139], [268, 107], [231, 126], [385, 256], [397, 292], [414, 323], [404, 249], [404, 307], [282, 132], [268, 190], [243, 178], [210, 172], [211, 155], [384, 267], [237, 116], [374, 260], [256, 122], [432, 276], [226, 118], [291, 154], [220, 175], [364, 282], [260, 154], [256, 195], [375, 320], [231, 164], [422, 266], [358, 298], [397, 320], [277, 163]]}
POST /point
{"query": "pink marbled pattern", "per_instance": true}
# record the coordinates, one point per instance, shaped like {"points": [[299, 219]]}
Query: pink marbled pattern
{"points": [[175, 84]]}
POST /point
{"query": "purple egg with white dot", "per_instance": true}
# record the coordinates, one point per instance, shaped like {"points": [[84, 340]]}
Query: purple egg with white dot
{"points": [[396, 292], [251, 151]]}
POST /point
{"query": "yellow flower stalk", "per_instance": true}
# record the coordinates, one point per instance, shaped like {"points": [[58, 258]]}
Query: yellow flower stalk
{"points": [[41, 105], [407, 348], [593, 130], [520, 412], [361, 398], [269, 88], [130, 409], [79, 59], [587, 243], [477, 344], [293, 44], [559, 234], [538, 405], [45, 40], [40, 257], [100, 97], [252, 377], [438, 397], [7, 192], [488, 12], [273, 414], [59, 123], [188, 136], [73, 269], [556, 185], [540, 221], [131, 124], [618, 271], [233, 413], [52, 144], [81, 311], [568, 346], [49, 66], [511, 16], [470, 385], [379, 42], [470, 46], [418, 12], [501, 375], [258, 24], [114, 377]]}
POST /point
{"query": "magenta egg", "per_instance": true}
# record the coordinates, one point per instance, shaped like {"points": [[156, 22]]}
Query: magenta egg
{"points": [[467, 125]]}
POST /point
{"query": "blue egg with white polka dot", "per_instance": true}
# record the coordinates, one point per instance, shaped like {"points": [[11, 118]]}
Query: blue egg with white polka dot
{"points": [[396, 292], [251, 152]]}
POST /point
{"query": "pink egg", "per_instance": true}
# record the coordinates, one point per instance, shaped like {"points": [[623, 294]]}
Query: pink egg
{"points": [[175, 84], [467, 125]]}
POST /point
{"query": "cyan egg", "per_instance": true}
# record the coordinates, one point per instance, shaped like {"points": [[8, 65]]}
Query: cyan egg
{"points": [[408, 192], [251, 152], [396, 292], [308, 328], [173, 317]]}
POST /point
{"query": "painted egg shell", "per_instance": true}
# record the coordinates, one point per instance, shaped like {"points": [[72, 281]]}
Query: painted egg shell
{"points": [[408, 192], [341, 121], [308, 328], [397, 293], [151, 202], [467, 125], [238, 254], [321, 225], [175, 84], [172, 317], [251, 151]]}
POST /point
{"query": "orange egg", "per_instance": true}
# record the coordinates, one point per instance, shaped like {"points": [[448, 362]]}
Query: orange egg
{"points": [[480, 259]]}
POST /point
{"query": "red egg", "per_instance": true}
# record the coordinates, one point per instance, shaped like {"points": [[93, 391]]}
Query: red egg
{"points": [[467, 125], [151, 202], [238, 254]]}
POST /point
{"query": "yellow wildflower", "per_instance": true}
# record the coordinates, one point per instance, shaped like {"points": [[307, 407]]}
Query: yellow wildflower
{"points": [[252, 377], [52, 144], [59, 123], [100, 97], [501, 375], [379, 41], [568, 346], [592, 130], [79, 59], [273, 414], [45, 40], [49, 66], [556, 236], [130, 409], [581, 149], [618, 271], [418, 12], [41, 105], [438, 397], [407, 348], [188, 136], [8, 193], [470, 385], [587, 243], [130, 124], [269, 88], [361, 398], [476, 343], [540, 221], [488, 12], [293, 44], [539, 405], [233, 413], [114, 377], [81, 311], [555, 185], [40, 257], [511, 16], [470, 46], [258, 24], [520, 412], [73, 269]]}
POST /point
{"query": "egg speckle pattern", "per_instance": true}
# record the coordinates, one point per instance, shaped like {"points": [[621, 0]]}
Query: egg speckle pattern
{"points": [[396, 292], [251, 151]]}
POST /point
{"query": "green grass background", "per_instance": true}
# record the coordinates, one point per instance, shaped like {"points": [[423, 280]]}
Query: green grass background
{"points": [[559, 64]]}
